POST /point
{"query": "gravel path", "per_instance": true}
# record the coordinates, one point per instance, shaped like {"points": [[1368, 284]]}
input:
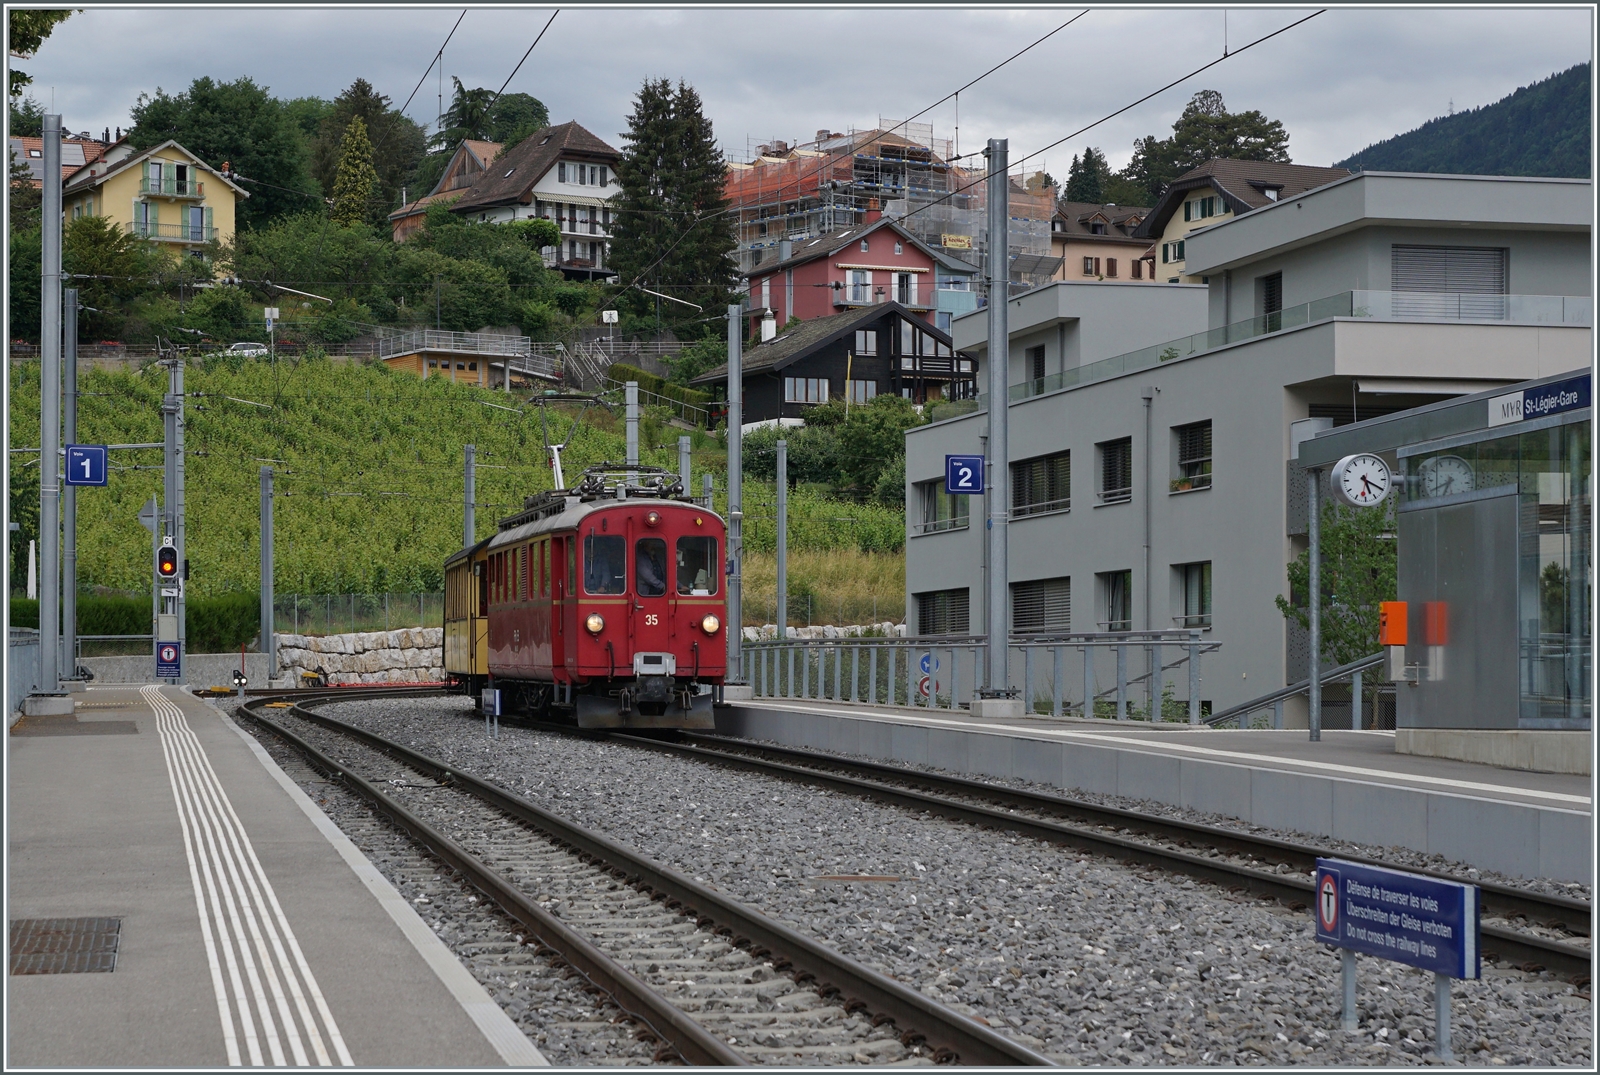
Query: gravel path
{"points": [[1089, 960], [543, 996]]}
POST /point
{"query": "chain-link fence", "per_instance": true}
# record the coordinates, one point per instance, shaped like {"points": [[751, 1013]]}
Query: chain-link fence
{"points": [[347, 613]]}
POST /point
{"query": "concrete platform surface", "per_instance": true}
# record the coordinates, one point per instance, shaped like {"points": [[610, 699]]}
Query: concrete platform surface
{"points": [[1351, 785], [251, 931]]}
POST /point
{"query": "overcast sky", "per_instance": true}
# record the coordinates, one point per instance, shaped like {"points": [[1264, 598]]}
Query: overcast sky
{"points": [[1343, 80]]}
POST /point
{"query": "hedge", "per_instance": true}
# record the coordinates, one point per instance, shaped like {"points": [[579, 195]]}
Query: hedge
{"points": [[622, 373], [215, 624]]}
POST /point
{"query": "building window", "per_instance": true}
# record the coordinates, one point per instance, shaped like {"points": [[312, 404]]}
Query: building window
{"points": [[954, 283], [1098, 227], [897, 249], [1111, 268], [942, 510], [866, 341], [861, 391], [905, 288], [1035, 357], [943, 612], [1117, 589], [860, 285], [1091, 266], [942, 320], [1041, 605], [805, 390], [1270, 291], [1196, 580], [1041, 485], [864, 246], [1116, 470], [1194, 457], [1138, 268]]}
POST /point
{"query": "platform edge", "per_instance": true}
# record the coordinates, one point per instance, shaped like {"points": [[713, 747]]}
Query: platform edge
{"points": [[498, 1029]]}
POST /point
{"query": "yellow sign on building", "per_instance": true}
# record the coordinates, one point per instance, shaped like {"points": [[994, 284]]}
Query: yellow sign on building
{"points": [[956, 242]]}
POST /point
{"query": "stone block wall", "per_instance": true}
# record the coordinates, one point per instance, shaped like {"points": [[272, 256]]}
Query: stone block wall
{"points": [[769, 632], [411, 655]]}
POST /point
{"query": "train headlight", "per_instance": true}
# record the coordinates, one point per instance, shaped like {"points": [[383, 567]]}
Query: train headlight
{"points": [[595, 623], [653, 519], [710, 624]]}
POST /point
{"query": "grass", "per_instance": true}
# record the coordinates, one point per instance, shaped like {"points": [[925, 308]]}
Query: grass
{"points": [[844, 586]]}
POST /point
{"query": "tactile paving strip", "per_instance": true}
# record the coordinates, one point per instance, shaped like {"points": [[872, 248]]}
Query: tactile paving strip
{"points": [[64, 945]]}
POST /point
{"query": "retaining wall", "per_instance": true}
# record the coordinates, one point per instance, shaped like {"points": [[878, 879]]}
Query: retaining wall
{"points": [[409, 655]]}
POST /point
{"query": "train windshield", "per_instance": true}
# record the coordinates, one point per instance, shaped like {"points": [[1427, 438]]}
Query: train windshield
{"points": [[697, 565], [605, 560], [650, 567]]}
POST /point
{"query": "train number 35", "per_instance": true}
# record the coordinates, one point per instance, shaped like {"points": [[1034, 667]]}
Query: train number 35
{"points": [[651, 619]]}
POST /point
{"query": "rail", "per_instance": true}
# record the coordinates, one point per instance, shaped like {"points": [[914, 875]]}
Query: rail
{"points": [[945, 671], [1275, 699], [949, 1034]]}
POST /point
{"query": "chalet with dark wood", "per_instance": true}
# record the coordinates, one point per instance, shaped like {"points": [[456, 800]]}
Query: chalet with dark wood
{"points": [[875, 262], [862, 353], [466, 166]]}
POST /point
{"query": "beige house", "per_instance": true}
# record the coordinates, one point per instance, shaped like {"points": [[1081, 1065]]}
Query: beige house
{"points": [[165, 194], [1097, 242], [1217, 191]]}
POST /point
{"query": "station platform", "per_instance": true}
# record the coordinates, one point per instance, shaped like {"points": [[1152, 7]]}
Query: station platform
{"points": [[175, 900], [1350, 786]]}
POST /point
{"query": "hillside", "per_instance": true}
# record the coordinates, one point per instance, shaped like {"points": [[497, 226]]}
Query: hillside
{"points": [[1542, 129], [368, 469]]}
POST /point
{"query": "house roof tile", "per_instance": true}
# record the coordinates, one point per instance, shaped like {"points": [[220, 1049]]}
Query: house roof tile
{"points": [[1242, 185], [808, 336], [526, 163]]}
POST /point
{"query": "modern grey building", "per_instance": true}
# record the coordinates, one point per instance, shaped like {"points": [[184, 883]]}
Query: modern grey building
{"points": [[1375, 293]]}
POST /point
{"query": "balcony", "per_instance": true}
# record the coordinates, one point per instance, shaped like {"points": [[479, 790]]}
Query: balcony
{"points": [[171, 233], [173, 188], [1407, 306]]}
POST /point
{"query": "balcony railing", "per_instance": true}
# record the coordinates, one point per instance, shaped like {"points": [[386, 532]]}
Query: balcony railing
{"points": [[173, 188], [1376, 305], [171, 233]]}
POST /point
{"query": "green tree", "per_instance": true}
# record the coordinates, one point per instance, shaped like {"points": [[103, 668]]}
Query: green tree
{"points": [[28, 30], [116, 269], [27, 118], [1086, 182], [398, 144], [356, 181], [242, 124], [697, 358], [467, 117], [873, 438], [1358, 572], [22, 268], [672, 232], [1205, 131], [514, 116]]}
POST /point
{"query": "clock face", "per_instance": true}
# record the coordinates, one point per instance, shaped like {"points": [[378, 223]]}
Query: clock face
{"points": [[1361, 479], [1444, 475]]}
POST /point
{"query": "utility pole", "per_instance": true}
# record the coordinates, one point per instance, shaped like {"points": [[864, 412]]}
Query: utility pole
{"points": [[783, 539], [269, 638], [735, 625], [470, 522], [684, 465], [1314, 584], [998, 698], [630, 392], [172, 595], [69, 493], [50, 414]]}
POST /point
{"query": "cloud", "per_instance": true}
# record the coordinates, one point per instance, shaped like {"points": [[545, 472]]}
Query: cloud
{"points": [[1345, 79]]}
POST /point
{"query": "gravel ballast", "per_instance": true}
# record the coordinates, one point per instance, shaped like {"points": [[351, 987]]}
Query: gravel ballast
{"points": [[1089, 960]]}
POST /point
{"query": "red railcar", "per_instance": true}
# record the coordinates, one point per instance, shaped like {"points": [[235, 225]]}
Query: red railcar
{"points": [[607, 602]]}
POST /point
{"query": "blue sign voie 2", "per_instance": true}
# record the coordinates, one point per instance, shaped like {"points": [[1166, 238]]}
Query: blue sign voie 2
{"points": [[1423, 921], [963, 474], [86, 464]]}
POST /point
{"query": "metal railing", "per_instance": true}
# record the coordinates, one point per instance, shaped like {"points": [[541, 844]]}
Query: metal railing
{"points": [[944, 672], [472, 343], [688, 412], [186, 188], [1273, 700], [22, 666], [1375, 305], [181, 233], [348, 613]]}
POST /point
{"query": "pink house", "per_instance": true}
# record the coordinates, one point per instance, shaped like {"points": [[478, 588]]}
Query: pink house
{"points": [[878, 261]]}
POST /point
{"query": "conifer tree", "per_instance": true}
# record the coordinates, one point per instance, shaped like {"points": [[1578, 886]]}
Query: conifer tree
{"points": [[673, 232], [356, 179], [1087, 179]]}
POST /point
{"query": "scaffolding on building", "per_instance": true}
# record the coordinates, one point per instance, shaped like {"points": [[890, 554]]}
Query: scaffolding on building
{"points": [[796, 193]]}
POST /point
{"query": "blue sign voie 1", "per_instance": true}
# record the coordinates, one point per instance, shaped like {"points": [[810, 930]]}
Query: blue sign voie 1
{"points": [[169, 660], [963, 474], [1423, 921], [1525, 405], [86, 464]]}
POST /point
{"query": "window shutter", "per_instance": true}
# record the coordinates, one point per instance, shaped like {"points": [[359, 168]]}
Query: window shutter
{"points": [[1449, 275], [1180, 249], [561, 171], [208, 224], [154, 209], [1041, 605]]}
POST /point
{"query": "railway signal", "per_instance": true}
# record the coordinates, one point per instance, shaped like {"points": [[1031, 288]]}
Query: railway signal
{"points": [[167, 562]]}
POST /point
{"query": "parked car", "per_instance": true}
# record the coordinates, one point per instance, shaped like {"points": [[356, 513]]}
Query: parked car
{"points": [[248, 350]]}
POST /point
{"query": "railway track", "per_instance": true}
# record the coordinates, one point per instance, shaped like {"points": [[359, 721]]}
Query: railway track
{"points": [[715, 981], [1273, 868]]}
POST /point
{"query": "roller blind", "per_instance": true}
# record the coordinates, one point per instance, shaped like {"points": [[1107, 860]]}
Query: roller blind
{"points": [[1041, 605], [1447, 276], [943, 612]]}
